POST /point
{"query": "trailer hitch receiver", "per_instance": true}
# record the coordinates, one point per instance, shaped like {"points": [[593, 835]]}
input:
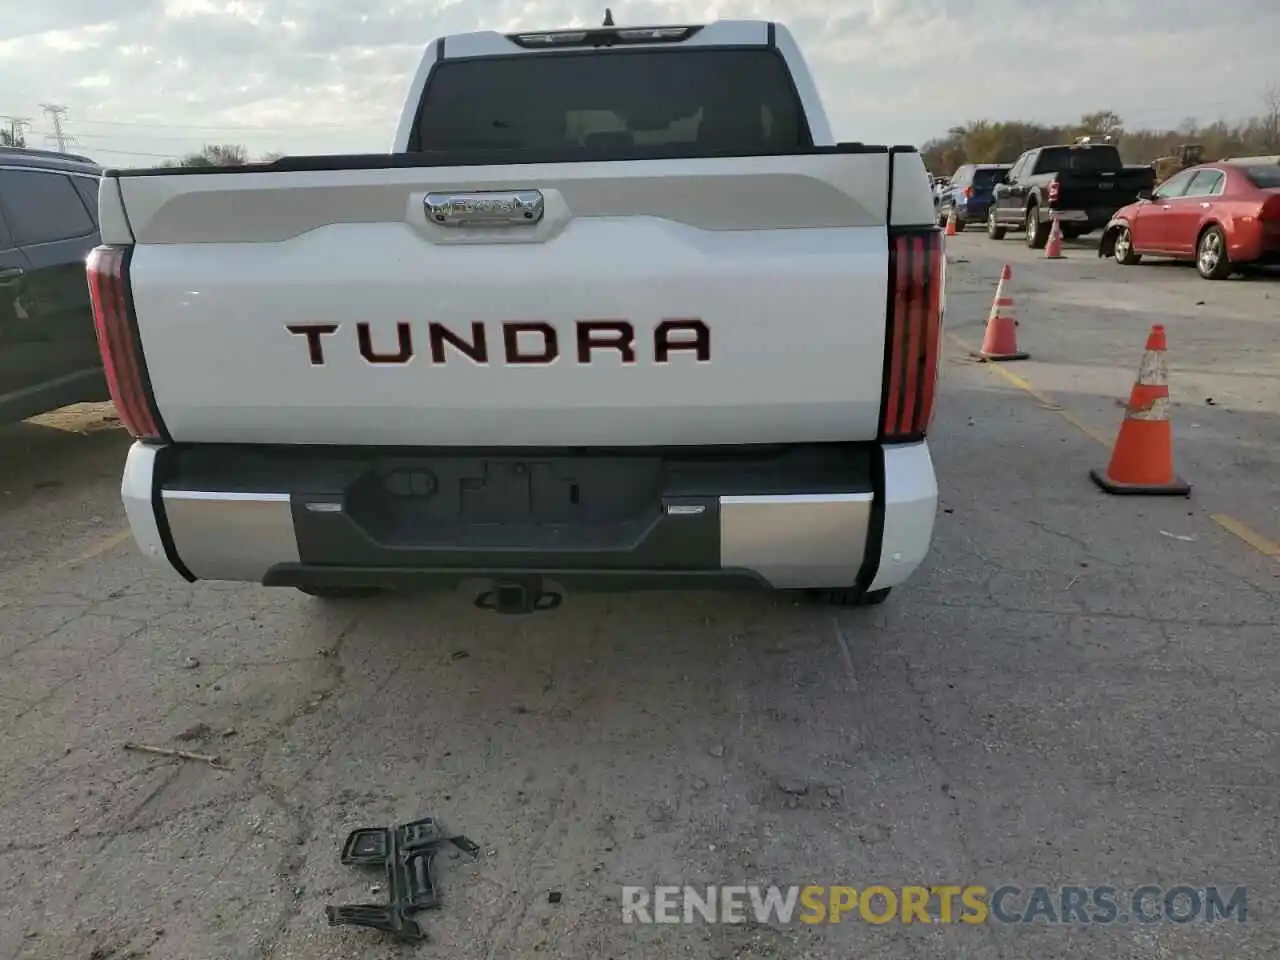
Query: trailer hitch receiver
{"points": [[519, 596]]}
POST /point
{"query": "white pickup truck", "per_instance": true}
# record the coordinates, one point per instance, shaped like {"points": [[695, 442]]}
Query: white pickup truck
{"points": [[616, 310]]}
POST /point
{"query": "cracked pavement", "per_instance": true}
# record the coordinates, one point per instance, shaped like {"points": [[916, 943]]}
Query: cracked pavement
{"points": [[1075, 689]]}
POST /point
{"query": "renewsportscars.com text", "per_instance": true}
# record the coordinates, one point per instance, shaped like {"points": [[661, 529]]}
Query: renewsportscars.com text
{"points": [[971, 904]]}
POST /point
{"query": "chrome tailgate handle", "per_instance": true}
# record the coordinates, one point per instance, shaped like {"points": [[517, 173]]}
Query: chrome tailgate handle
{"points": [[489, 208]]}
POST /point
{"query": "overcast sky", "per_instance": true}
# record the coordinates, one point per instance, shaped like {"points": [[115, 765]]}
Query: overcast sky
{"points": [[328, 75]]}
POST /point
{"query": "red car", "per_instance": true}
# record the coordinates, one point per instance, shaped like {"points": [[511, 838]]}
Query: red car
{"points": [[1224, 216]]}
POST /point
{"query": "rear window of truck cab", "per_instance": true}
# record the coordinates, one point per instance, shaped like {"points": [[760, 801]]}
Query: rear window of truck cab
{"points": [[1086, 158], [986, 177], [613, 103]]}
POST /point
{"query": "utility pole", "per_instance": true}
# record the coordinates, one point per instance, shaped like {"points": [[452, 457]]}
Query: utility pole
{"points": [[16, 134], [56, 112]]}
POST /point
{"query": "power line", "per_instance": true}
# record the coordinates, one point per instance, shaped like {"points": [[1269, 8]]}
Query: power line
{"points": [[134, 153], [55, 112], [191, 147], [151, 139], [261, 128]]}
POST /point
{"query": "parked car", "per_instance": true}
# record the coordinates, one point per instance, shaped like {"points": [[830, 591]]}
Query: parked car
{"points": [[359, 396], [1083, 184], [1224, 216], [969, 193], [48, 225]]}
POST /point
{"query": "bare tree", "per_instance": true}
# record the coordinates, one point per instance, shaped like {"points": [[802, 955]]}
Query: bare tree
{"points": [[213, 155], [1101, 123], [1271, 118]]}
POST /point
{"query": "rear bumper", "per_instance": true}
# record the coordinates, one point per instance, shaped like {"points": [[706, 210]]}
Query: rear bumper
{"points": [[1255, 242], [833, 516], [1092, 218]]}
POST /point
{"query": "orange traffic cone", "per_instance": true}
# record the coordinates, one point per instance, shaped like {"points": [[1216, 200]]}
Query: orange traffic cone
{"points": [[951, 222], [1142, 461], [1001, 339], [1053, 249]]}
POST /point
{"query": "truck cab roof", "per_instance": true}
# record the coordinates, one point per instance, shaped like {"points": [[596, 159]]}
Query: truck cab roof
{"points": [[723, 34]]}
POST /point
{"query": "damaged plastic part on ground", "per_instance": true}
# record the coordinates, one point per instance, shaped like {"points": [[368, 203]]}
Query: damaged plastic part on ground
{"points": [[406, 854]]}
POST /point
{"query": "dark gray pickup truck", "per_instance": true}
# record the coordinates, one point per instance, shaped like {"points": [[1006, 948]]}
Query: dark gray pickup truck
{"points": [[1084, 184], [48, 224]]}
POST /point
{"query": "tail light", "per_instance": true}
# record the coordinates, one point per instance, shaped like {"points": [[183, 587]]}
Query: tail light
{"points": [[118, 342], [913, 337], [1270, 209], [1055, 189], [968, 193]]}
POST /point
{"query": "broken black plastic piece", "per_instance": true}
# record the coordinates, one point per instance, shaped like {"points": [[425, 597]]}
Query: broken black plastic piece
{"points": [[405, 853]]}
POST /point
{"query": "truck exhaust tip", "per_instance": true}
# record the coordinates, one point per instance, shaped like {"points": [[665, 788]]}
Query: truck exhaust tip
{"points": [[512, 597]]}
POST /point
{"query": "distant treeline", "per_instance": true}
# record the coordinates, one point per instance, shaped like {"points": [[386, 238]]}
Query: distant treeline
{"points": [[219, 155], [986, 141]]}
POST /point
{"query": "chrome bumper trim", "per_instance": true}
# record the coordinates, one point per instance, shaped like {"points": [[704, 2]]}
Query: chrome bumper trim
{"points": [[791, 541], [804, 540], [231, 536]]}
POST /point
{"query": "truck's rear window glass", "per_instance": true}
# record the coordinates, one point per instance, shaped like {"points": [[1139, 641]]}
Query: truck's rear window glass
{"points": [[1088, 159], [614, 103], [1265, 177]]}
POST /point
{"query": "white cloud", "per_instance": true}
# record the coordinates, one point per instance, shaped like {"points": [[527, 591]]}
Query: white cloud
{"points": [[329, 75]]}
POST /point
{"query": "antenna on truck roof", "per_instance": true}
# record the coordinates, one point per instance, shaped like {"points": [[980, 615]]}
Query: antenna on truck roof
{"points": [[608, 18]]}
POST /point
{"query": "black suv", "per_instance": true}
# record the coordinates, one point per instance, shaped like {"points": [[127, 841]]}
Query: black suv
{"points": [[48, 224]]}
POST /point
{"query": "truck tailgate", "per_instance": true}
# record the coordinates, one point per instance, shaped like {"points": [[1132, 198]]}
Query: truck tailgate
{"points": [[1104, 189], [707, 301]]}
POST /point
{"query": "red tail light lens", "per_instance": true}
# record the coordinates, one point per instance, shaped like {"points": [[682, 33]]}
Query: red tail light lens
{"points": [[1270, 209], [107, 268], [968, 193], [916, 278], [1055, 189]]}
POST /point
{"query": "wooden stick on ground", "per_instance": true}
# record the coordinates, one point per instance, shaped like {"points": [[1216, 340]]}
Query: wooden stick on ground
{"points": [[180, 754]]}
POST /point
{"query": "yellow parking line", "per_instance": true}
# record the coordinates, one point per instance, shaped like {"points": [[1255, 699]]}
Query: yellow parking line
{"points": [[1245, 534], [1045, 400], [1248, 535], [105, 545]]}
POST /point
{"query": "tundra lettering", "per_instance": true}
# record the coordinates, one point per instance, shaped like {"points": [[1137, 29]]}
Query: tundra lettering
{"points": [[511, 341], [313, 332], [523, 343], [404, 339]]}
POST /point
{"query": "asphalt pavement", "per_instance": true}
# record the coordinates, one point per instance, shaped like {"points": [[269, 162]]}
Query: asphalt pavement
{"points": [[1076, 690]]}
